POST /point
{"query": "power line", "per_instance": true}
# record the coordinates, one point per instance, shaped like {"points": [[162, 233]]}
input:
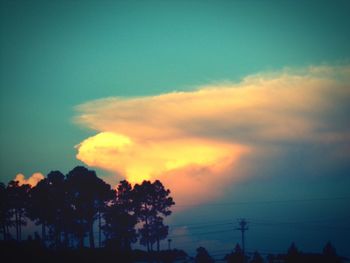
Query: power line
{"points": [[203, 233], [256, 220], [306, 223], [195, 226], [332, 219], [267, 201]]}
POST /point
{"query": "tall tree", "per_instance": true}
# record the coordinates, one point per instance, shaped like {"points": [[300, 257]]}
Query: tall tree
{"points": [[154, 232], [203, 256], [49, 206], [59, 206], [329, 250], [5, 212], [120, 218], [86, 192], [236, 256], [152, 205], [257, 258], [330, 254], [293, 254], [39, 206], [18, 201]]}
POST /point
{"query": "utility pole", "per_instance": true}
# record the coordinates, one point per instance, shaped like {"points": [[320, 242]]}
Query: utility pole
{"points": [[243, 227]]}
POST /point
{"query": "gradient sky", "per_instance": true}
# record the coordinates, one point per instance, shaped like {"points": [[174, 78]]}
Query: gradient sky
{"points": [[57, 55]]}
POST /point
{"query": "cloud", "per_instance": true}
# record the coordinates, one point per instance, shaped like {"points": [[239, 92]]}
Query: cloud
{"points": [[33, 180], [195, 141]]}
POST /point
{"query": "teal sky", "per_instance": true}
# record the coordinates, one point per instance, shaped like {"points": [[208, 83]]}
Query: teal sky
{"points": [[55, 55]]}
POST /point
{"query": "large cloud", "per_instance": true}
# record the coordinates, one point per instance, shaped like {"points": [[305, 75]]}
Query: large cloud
{"points": [[194, 141]]}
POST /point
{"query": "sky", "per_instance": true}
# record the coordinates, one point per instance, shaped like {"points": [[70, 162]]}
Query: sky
{"points": [[239, 107]]}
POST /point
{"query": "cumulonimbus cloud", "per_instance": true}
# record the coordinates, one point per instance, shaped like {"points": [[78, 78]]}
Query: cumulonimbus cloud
{"points": [[194, 140], [32, 180]]}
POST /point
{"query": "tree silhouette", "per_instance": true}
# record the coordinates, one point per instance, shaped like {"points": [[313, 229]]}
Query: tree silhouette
{"points": [[155, 231], [237, 256], [158, 230], [68, 206], [18, 201], [257, 258], [39, 206], [329, 250], [48, 206], [86, 192], [152, 205], [330, 254], [120, 218], [293, 254], [59, 207], [5, 212], [203, 256]]}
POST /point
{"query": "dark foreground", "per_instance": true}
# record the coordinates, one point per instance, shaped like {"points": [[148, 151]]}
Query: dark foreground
{"points": [[25, 252], [35, 252]]}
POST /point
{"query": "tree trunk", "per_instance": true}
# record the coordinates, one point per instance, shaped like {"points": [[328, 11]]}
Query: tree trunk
{"points": [[91, 234], [81, 241], [7, 232], [147, 234], [99, 230], [126, 245], [20, 228], [158, 257], [17, 225], [20, 225], [58, 237], [43, 233], [66, 239], [4, 231]]}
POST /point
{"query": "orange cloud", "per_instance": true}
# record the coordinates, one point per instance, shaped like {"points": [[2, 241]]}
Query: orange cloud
{"points": [[32, 180], [194, 141]]}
